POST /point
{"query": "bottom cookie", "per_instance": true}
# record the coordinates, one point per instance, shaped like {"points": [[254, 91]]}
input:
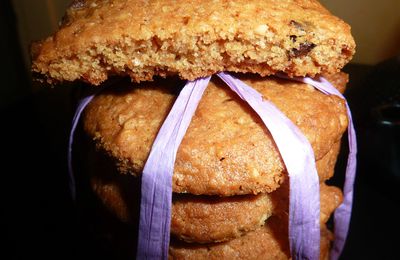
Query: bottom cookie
{"points": [[267, 242], [205, 219]]}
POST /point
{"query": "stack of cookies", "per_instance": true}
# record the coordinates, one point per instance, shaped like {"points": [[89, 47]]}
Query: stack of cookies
{"points": [[230, 185], [229, 180]]}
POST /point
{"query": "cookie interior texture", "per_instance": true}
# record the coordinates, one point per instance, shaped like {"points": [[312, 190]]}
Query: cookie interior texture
{"points": [[227, 150], [142, 39]]}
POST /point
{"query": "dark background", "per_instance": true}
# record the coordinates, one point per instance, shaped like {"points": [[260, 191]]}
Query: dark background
{"points": [[40, 219]]}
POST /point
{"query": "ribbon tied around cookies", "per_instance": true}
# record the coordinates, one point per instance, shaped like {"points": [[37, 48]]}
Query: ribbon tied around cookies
{"points": [[294, 148]]}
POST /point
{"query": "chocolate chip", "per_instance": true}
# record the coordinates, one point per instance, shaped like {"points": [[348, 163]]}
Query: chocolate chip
{"points": [[297, 25], [78, 4], [293, 38], [303, 49], [186, 20]]}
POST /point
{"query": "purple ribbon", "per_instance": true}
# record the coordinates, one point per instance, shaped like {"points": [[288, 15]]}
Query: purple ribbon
{"points": [[78, 112], [342, 214], [156, 199], [298, 156], [296, 152]]}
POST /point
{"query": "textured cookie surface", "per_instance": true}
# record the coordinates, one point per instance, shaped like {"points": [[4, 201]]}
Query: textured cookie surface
{"points": [[330, 198], [267, 242], [195, 38], [203, 219], [200, 219], [227, 150], [206, 219]]}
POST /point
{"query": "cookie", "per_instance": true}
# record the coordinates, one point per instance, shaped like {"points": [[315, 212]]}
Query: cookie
{"points": [[227, 150], [206, 219], [267, 242], [326, 165], [143, 39], [203, 219], [330, 198], [194, 218], [339, 80]]}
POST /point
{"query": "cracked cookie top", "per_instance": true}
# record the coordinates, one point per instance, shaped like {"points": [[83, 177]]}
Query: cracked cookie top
{"points": [[142, 39]]}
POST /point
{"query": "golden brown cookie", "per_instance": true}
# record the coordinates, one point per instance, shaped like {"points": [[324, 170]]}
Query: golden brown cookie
{"points": [[326, 165], [192, 39], [267, 242], [202, 219], [339, 80], [227, 150], [205, 219], [330, 198]]}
